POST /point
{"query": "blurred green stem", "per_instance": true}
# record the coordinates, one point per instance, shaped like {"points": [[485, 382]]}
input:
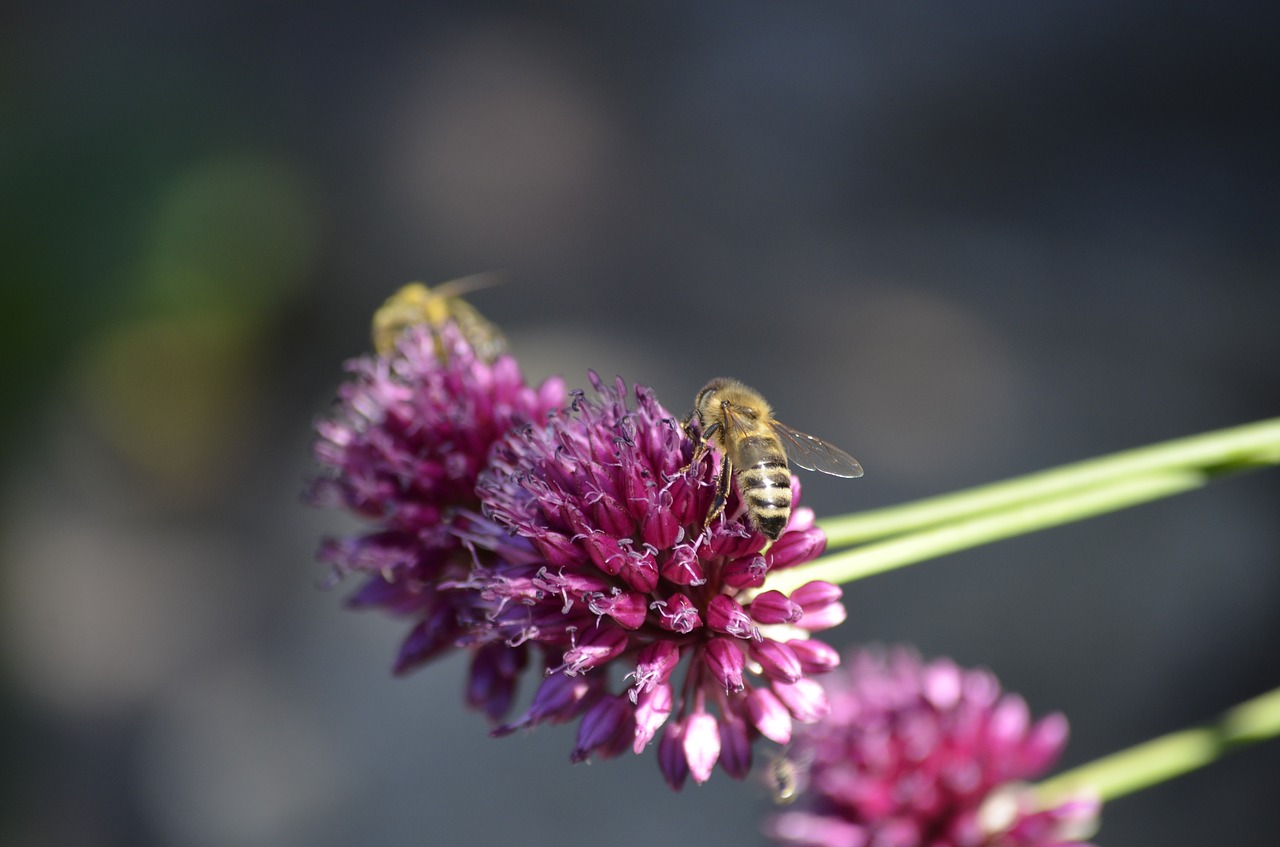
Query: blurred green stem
{"points": [[1169, 755], [936, 526]]}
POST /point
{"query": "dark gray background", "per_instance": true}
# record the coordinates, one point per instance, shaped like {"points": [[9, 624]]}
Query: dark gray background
{"points": [[962, 240]]}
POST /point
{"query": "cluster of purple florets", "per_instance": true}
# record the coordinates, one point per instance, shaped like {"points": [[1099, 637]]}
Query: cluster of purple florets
{"points": [[402, 448], [566, 536], [569, 533], [929, 754], [624, 571]]}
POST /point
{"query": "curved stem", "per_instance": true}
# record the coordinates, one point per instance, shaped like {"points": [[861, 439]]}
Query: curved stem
{"points": [[1168, 756]]}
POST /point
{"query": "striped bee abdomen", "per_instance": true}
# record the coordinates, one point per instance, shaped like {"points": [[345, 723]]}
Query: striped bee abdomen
{"points": [[764, 480], [766, 488]]}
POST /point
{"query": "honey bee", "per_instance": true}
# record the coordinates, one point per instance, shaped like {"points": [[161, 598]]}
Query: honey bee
{"points": [[754, 449], [786, 777], [415, 304]]}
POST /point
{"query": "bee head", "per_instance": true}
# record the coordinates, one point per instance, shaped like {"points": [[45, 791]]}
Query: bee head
{"points": [[705, 403]]}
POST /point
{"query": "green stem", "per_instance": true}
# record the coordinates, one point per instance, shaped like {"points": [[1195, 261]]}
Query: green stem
{"points": [[1171, 755], [1212, 452], [930, 543], [925, 529]]}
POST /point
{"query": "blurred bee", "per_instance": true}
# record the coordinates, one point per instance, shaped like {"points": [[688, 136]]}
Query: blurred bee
{"points": [[416, 304], [738, 422], [786, 777]]}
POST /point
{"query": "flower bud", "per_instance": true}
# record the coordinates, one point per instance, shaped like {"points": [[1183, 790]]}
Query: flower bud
{"points": [[769, 715], [735, 747], [677, 614], [654, 666], [601, 725], [815, 656], [747, 572], [804, 699], [725, 660], [671, 755], [778, 661], [724, 614], [652, 709], [597, 646], [627, 608], [770, 607], [796, 547], [701, 745]]}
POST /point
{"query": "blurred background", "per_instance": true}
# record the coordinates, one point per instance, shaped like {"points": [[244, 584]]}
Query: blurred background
{"points": [[963, 241]]}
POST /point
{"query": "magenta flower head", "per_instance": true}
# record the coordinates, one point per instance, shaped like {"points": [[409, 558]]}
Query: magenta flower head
{"points": [[408, 435], [926, 755], [622, 583]]}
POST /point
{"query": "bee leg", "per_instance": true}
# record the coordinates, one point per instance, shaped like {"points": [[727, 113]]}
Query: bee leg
{"points": [[722, 490], [698, 452], [700, 442], [686, 423], [700, 445]]}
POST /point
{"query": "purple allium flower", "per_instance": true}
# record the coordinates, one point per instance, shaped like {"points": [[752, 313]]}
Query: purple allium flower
{"points": [[402, 448], [926, 755], [619, 572]]}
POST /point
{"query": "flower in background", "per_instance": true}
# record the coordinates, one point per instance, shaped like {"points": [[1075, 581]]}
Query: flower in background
{"points": [[609, 567], [409, 434], [930, 755]]}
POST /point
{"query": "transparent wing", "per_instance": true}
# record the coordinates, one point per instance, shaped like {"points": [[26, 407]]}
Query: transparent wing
{"points": [[483, 334], [814, 454], [467, 284], [733, 419]]}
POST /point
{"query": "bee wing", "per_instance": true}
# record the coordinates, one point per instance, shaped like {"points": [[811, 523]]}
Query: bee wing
{"points": [[464, 312], [814, 454], [733, 419], [467, 284], [484, 335]]}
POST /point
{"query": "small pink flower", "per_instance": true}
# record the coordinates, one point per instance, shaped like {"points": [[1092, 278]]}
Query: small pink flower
{"points": [[926, 755], [620, 569]]}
